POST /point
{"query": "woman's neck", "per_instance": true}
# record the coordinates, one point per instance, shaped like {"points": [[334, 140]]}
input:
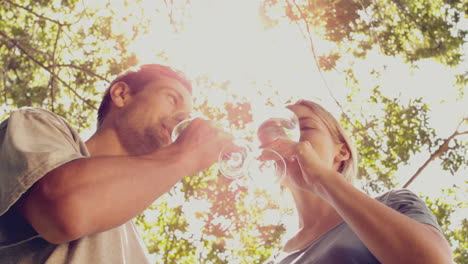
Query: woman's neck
{"points": [[312, 209], [315, 216]]}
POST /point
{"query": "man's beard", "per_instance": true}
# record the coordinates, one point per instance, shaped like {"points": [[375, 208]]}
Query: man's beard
{"points": [[139, 143]]}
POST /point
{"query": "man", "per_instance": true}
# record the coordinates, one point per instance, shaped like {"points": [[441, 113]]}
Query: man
{"points": [[63, 200]]}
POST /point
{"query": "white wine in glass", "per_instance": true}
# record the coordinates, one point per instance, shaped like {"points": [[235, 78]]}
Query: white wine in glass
{"points": [[275, 123]]}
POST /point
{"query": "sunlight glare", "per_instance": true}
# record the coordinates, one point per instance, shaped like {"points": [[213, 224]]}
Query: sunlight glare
{"points": [[227, 41]]}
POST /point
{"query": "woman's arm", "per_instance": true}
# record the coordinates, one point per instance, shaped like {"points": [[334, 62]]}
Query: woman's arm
{"points": [[391, 236]]}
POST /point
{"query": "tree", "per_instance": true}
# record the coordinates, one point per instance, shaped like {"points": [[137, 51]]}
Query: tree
{"points": [[61, 55], [412, 29], [59, 63], [389, 137], [443, 208]]}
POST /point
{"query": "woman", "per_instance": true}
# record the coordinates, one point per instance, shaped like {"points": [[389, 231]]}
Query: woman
{"points": [[339, 223]]}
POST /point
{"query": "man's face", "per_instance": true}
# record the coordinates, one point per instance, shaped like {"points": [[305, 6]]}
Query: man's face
{"points": [[146, 122]]}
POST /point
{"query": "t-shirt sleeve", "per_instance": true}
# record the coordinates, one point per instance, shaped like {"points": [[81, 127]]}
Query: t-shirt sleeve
{"points": [[32, 142], [411, 205]]}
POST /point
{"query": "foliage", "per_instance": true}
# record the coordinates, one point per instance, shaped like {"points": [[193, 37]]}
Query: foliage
{"points": [[390, 133], [443, 207], [413, 29], [58, 60], [60, 55], [228, 229], [388, 137]]}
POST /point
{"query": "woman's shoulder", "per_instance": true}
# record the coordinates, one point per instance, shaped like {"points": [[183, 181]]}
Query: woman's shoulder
{"points": [[410, 204], [396, 195]]}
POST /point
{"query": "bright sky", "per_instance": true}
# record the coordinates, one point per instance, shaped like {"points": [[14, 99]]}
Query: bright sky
{"points": [[225, 39]]}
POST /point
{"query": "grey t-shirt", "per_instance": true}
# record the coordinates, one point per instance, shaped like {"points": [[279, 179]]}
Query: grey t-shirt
{"points": [[341, 245], [34, 141]]}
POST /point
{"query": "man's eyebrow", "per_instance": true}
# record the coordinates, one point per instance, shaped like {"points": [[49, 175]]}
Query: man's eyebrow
{"points": [[179, 95]]}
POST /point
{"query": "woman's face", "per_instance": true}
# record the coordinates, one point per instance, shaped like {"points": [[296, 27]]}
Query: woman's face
{"points": [[314, 130]]}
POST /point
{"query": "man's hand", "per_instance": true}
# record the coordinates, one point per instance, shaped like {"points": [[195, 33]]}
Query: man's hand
{"points": [[202, 142]]}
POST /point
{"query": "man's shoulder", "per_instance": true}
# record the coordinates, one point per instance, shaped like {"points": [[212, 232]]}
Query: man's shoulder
{"points": [[37, 114], [29, 110], [35, 121]]}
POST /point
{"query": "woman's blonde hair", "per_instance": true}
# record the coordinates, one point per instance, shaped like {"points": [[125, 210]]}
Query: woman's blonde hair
{"points": [[348, 167]]}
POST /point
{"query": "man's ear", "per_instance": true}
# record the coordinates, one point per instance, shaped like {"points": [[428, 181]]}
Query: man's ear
{"points": [[343, 153], [120, 94]]}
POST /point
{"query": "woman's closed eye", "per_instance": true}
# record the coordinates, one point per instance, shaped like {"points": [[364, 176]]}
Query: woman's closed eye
{"points": [[304, 128]]}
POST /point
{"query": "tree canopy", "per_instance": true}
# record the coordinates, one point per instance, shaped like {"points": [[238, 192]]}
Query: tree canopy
{"points": [[61, 55]]}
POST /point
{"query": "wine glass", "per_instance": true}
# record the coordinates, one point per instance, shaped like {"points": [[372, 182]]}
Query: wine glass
{"points": [[179, 128], [266, 169], [184, 119], [231, 159], [241, 158], [278, 123], [272, 123], [260, 164]]}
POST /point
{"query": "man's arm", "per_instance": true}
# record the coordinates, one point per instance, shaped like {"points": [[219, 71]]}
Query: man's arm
{"points": [[91, 195]]}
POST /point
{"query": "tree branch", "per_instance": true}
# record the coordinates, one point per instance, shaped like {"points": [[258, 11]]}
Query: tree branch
{"points": [[36, 14], [461, 123], [171, 12], [87, 71], [441, 150], [5, 97], [314, 54], [23, 50], [52, 77]]}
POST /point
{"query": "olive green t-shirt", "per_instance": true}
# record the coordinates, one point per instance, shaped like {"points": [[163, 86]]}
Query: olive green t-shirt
{"points": [[34, 141]]}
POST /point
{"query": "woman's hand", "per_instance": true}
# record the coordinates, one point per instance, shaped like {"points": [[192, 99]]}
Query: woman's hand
{"points": [[305, 168]]}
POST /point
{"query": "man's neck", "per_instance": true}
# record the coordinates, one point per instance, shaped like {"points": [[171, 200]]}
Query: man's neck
{"points": [[105, 142]]}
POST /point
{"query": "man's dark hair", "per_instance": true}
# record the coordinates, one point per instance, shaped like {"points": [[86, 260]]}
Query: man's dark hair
{"points": [[136, 78]]}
